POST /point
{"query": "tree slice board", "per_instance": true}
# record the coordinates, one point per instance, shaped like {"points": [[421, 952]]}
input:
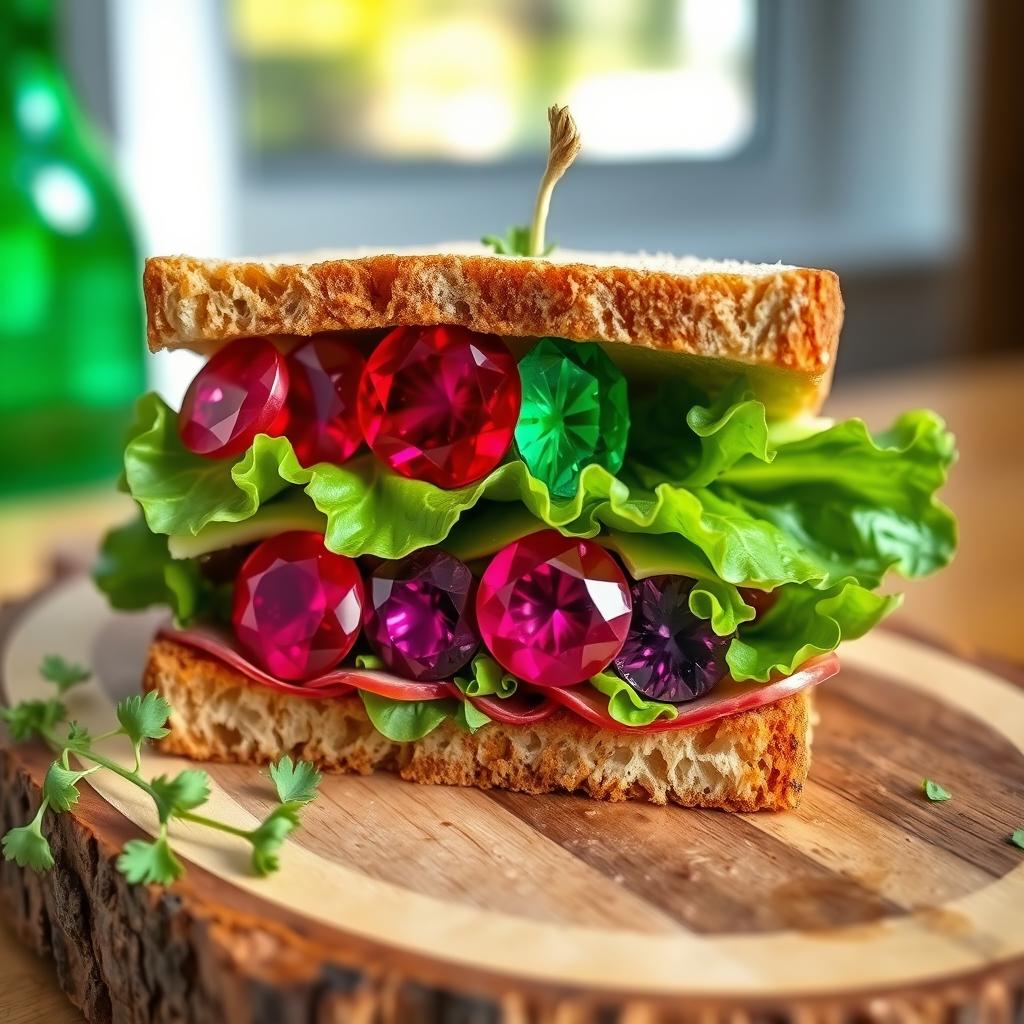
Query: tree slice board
{"points": [[399, 902]]}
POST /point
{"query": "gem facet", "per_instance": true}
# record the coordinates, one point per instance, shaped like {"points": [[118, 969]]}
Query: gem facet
{"points": [[439, 403], [323, 424], [238, 394], [670, 654], [553, 610], [419, 615], [575, 411], [297, 607]]}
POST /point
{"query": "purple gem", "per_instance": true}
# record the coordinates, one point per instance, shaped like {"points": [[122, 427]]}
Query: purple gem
{"points": [[419, 615], [670, 654]]}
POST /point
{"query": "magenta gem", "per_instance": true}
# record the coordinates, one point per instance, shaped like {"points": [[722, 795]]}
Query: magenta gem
{"points": [[323, 424], [553, 610], [238, 394], [440, 403], [670, 654], [298, 606], [419, 615]]}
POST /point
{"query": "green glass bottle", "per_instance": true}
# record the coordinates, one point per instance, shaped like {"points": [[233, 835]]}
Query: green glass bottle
{"points": [[71, 348]]}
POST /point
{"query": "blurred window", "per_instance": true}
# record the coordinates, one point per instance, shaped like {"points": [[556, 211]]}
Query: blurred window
{"points": [[461, 80]]}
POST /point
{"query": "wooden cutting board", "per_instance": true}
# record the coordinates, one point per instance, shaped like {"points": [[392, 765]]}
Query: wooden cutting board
{"points": [[405, 903]]}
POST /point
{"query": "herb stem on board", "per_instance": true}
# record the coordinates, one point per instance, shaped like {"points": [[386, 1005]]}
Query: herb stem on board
{"points": [[141, 719]]}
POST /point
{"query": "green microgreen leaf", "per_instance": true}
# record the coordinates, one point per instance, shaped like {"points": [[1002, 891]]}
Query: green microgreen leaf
{"points": [[369, 662], [295, 782], [934, 792], [269, 837], [469, 717], [155, 861], [62, 673], [60, 787], [1017, 838], [33, 717], [27, 846], [78, 739], [515, 241], [184, 792], [143, 718]]}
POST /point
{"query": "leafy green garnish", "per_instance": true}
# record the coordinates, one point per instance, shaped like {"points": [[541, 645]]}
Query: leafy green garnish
{"points": [[515, 242], [406, 720], [150, 861], [62, 674], [488, 679], [175, 798], [627, 706], [269, 837], [295, 783], [934, 792], [60, 789], [184, 792], [144, 718], [33, 718], [27, 846], [1016, 838], [135, 570]]}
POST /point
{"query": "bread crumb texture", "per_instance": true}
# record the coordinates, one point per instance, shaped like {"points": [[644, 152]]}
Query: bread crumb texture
{"points": [[785, 318], [757, 760]]}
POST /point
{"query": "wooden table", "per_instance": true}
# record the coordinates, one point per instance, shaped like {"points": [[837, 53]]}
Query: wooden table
{"points": [[973, 605]]}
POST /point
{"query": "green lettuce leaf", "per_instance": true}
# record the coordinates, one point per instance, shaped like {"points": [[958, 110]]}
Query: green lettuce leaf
{"points": [[802, 623], [406, 720], [797, 519], [860, 505], [720, 433], [627, 706], [488, 679], [135, 570]]}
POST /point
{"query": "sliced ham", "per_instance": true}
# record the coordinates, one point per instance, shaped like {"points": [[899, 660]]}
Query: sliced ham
{"points": [[528, 705]]}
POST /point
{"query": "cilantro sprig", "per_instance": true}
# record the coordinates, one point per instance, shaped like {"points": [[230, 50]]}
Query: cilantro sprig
{"points": [[177, 798]]}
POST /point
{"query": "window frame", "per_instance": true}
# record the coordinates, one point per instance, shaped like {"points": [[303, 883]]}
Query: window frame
{"points": [[840, 173]]}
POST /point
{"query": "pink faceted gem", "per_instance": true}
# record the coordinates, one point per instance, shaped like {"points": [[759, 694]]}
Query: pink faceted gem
{"points": [[553, 610], [297, 606], [323, 425], [238, 394], [419, 615], [440, 403]]}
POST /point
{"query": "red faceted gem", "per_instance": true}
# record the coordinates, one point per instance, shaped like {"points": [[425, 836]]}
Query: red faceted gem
{"points": [[553, 610], [238, 394], [323, 424], [297, 606], [440, 403]]}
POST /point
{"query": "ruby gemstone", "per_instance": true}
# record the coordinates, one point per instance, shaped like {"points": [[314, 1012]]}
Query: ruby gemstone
{"points": [[323, 424], [238, 394], [419, 615], [440, 403], [297, 607], [553, 610], [670, 654]]}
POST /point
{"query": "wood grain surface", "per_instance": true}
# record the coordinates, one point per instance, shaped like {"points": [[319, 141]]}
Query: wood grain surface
{"points": [[485, 901]]}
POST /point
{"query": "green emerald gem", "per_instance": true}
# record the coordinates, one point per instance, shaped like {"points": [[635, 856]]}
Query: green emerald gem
{"points": [[575, 412]]}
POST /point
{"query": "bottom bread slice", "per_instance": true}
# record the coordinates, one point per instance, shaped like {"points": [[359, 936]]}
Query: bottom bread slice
{"points": [[755, 760]]}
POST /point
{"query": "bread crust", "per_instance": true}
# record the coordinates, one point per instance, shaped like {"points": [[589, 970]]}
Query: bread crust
{"points": [[756, 760], [785, 318]]}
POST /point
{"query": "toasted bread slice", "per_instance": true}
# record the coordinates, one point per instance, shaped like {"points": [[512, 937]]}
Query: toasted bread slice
{"points": [[756, 760], [767, 317]]}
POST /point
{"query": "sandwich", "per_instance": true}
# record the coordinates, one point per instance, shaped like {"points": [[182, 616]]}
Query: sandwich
{"points": [[500, 516]]}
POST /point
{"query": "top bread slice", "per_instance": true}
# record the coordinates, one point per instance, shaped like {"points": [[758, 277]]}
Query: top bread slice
{"points": [[768, 317]]}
